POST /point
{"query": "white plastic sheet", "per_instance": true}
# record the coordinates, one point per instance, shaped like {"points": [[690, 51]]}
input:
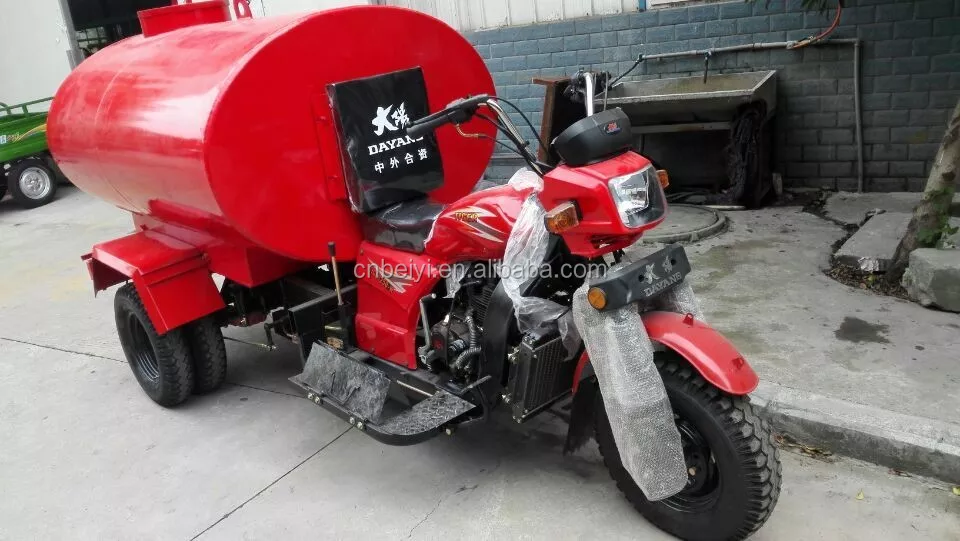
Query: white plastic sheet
{"points": [[525, 252], [634, 397]]}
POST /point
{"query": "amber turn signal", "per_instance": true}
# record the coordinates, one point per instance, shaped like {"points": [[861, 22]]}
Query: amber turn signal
{"points": [[663, 177], [597, 298], [562, 218]]}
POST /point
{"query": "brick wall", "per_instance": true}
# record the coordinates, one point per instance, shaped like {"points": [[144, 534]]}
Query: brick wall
{"points": [[910, 76]]}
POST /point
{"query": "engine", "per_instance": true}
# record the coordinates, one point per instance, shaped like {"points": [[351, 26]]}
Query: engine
{"points": [[455, 340]]}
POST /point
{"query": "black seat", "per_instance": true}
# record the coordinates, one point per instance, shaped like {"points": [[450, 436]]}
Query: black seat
{"points": [[405, 226]]}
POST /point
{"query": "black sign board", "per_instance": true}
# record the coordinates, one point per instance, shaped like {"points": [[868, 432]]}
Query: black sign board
{"points": [[93, 13], [382, 164]]}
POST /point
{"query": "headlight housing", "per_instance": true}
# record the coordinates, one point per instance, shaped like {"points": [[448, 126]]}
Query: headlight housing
{"points": [[638, 197]]}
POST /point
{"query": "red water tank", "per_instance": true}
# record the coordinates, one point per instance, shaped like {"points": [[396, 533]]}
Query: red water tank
{"points": [[229, 124]]}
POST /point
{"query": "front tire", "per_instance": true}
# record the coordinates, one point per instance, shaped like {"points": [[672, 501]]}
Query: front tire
{"points": [[32, 183], [161, 364], [734, 466]]}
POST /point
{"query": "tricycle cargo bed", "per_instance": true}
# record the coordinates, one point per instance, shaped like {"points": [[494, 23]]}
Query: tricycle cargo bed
{"points": [[23, 132]]}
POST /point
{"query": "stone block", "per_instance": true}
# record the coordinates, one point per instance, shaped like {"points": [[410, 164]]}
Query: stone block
{"points": [[872, 247], [933, 278]]}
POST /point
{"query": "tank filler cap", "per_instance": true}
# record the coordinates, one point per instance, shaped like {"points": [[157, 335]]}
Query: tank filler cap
{"points": [[166, 19]]}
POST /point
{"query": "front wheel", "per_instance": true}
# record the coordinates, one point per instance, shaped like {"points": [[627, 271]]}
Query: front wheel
{"points": [[733, 466]]}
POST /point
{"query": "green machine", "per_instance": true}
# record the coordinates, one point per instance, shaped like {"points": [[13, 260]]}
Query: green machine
{"points": [[25, 162]]}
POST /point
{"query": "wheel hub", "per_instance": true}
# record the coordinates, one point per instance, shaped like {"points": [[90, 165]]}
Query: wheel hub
{"points": [[703, 476], [35, 183]]}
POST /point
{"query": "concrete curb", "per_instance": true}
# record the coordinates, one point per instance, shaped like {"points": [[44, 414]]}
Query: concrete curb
{"points": [[907, 443]]}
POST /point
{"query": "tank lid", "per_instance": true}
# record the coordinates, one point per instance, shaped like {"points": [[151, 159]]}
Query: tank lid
{"points": [[161, 20]]}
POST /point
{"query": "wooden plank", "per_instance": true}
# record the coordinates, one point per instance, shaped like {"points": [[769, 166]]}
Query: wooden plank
{"points": [[546, 122], [449, 12], [496, 13], [471, 14], [577, 8], [607, 7], [680, 128], [549, 10], [522, 11]]}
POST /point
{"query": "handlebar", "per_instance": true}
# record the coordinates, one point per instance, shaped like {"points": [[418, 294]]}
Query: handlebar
{"points": [[425, 125], [462, 110], [457, 112]]}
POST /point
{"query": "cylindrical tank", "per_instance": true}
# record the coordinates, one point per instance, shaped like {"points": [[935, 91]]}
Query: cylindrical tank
{"points": [[230, 124]]}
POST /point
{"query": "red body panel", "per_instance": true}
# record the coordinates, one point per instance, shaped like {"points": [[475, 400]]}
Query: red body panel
{"points": [[230, 123], [477, 226], [165, 272], [392, 282], [712, 355], [600, 230], [389, 288], [226, 254]]}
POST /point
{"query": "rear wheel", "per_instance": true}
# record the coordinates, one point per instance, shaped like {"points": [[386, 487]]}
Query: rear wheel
{"points": [[733, 466], [32, 183], [161, 364], [208, 353]]}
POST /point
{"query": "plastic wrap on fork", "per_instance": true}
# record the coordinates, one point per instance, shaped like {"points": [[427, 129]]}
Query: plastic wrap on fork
{"points": [[634, 396]]}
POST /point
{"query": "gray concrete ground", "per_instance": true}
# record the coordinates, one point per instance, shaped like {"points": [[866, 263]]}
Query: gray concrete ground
{"points": [[84, 454]]}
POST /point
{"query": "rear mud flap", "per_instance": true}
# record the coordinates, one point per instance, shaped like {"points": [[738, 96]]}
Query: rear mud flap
{"points": [[358, 392]]}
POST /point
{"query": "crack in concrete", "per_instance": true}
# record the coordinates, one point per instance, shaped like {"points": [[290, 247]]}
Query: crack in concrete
{"points": [[64, 350], [95, 356], [275, 481], [425, 517], [292, 395], [462, 489]]}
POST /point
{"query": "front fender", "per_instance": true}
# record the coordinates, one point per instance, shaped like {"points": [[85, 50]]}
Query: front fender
{"points": [[712, 355]]}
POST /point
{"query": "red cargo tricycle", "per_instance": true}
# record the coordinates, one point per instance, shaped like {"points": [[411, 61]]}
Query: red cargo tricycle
{"points": [[347, 226]]}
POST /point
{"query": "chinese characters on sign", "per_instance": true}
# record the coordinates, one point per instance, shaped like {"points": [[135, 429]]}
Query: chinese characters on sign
{"points": [[393, 118], [382, 120]]}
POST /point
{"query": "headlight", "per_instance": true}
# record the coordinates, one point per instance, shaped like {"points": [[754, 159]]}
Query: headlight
{"points": [[631, 194]]}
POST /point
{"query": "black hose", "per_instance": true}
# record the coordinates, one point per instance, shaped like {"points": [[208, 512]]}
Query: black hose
{"points": [[462, 359], [624, 74], [472, 327]]}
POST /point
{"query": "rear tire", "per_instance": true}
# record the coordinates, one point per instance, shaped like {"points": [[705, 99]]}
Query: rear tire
{"points": [[32, 183], [161, 364], [737, 468], [208, 353]]}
